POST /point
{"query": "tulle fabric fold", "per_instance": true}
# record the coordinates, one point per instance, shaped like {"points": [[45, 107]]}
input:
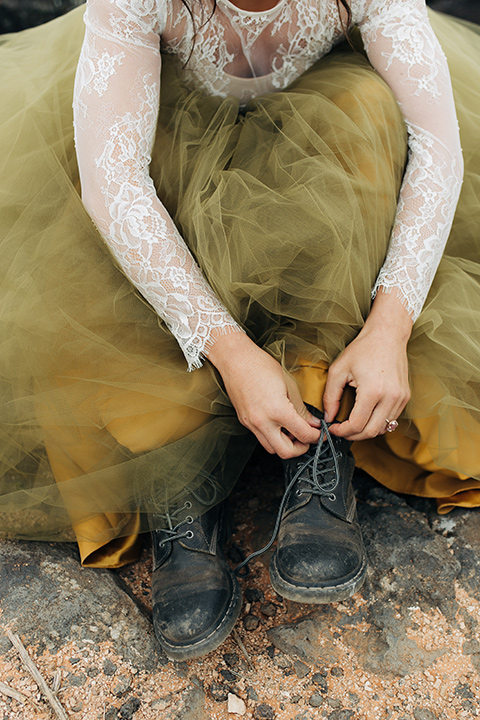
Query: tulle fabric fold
{"points": [[287, 205]]}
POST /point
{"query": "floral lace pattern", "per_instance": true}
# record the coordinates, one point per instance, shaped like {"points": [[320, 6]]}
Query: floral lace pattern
{"points": [[116, 103], [114, 142]]}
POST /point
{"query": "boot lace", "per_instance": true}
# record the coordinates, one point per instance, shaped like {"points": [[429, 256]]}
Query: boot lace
{"points": [[314, 472], [176, 530]]}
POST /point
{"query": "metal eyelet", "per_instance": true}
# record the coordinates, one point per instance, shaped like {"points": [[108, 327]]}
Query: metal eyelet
{"points": [[189, 534], [188, 504], [332, 497], [189, 519], [298, 492], [161, 545]]}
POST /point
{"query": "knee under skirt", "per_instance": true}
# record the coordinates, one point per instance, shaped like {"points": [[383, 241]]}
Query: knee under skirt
{"points": [[287, 205]]}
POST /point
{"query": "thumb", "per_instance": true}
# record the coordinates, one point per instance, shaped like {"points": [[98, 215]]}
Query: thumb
{"points": [[300, 407], [333, 394]]}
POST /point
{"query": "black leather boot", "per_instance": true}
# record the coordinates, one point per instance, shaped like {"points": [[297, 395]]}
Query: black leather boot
{"points": [[196, 597], [320, 556]]}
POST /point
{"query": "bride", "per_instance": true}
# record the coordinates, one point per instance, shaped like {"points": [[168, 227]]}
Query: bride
{"points": [[276, 184]]}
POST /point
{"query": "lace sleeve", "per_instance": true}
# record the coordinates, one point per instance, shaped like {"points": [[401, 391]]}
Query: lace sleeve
{"points": [[115, 113], [402, 46]]}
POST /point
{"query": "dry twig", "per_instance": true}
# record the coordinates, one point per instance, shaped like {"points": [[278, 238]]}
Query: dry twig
{"points": [[34, 672], [11, 693], [242, 648]]}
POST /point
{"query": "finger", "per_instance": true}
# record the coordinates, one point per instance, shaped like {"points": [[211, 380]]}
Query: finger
{"points": [[365, 403], [336, 381], [299, 428], [293, 394]]}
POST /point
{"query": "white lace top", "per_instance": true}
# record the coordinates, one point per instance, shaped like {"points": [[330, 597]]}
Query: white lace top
{"points": [[244, 53]]}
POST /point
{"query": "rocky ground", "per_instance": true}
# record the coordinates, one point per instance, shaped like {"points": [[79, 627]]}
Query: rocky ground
{"points": [[407, 647]]}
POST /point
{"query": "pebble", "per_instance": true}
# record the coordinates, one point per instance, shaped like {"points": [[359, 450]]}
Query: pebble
{"points": [[252, 694], [253, 594], [251, 622], [111, 714], [109, 668], [93, 671], [334, 703], [301, 669], [423, 714], [337, 671], [264, 712], [315, 700], [228, 676], [129, 708], [282, 661], [231, 659], [295, 699], [218, 692], [122, 687], [236, 705], [76, 680], [319, 680], [269, 610]]}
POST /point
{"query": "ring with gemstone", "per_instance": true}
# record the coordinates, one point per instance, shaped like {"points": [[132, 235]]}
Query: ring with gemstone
{"points": [[391, 425]]}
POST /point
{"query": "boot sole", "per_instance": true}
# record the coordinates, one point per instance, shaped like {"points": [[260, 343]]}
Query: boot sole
{"points": [[317, 595], [215, 638]]}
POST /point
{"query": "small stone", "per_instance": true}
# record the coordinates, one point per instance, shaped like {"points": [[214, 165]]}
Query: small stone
{"points": [[301, 669], [122, 687], [218, 692], [463, 691], [353, 699], [231, 659], [109, 668], [228, 676], [253, 594], [76, 680], [73, 660], [334, 703], [269, 610], [251, 622], [423, 714], [264, 712], [111, 713], [252, 694], [78, 707], [319, 680], [195, 680], [93, 671], [342, 715], [129, 708], [282, 661], [236, 705], [295, 699], [288, 671], [315, 700], [271, 651], [337, 671]]}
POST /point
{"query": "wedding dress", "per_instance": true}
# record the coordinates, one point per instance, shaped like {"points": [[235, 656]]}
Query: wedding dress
{"points": [[236, 172]]}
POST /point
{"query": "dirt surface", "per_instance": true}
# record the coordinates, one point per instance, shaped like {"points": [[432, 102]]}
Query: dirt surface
{"points": [[284, 660]]}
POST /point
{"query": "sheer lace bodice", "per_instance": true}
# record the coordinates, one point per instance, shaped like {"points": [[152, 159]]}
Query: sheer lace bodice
{"points": [[240, 53]]}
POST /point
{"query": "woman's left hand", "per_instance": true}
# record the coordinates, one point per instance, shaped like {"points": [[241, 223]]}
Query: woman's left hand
{"points": [[375, 364]]}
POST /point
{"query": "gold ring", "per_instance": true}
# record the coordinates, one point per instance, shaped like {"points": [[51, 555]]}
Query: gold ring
{"points": [[391, 425]]}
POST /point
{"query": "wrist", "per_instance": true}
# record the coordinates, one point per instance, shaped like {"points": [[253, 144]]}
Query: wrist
{"points": [[226, 348], [388, 313]]}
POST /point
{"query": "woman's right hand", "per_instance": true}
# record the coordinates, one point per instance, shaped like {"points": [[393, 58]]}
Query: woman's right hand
{"points": [[266, 399]]}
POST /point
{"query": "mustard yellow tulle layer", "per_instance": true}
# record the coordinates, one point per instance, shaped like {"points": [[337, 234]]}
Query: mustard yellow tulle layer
{"points": [[288, 208]]}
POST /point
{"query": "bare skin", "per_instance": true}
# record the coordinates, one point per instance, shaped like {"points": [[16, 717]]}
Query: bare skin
{"points": [[268, 402]]}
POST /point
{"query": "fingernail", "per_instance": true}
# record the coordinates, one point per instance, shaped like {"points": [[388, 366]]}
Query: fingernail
{"points": [[327, 417], [316, 421]]}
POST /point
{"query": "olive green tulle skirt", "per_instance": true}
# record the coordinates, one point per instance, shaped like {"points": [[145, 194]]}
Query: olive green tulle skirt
{"points": [[287, 205]]}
